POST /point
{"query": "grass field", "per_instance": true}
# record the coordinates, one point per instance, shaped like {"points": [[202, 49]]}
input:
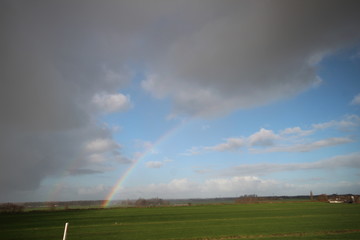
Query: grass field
{"points": [[303, 220]]}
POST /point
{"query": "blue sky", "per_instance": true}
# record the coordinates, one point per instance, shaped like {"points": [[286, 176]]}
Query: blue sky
{"points": [[214, 101]]}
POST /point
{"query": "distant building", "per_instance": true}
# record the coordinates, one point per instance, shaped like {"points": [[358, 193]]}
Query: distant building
{"points": [[342, 199]]}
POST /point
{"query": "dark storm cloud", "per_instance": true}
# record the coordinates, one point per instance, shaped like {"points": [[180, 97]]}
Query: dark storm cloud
{"points": [[56, 57], [260, 52], [83, 171], [52, 63], [211, 57]]}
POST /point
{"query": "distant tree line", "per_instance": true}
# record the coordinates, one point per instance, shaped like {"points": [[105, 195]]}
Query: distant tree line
{"points": [[63, 204], [141, 202], [250, 198], [11, 208], [253, 198]]}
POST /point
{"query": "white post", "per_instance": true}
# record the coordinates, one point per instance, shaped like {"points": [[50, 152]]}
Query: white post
{"points": [[65, 230]]}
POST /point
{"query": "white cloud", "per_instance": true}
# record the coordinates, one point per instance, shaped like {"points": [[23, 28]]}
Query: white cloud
{"points": [[193, 151], [111, 102], [239, 185], [324, 125], [215, 187], [356, 100], [158, 164], [176, 188], [297, 131], [263, 138], [167, 160], [101, 145], [287, 140], [231, 144], [245, 179], [203, 170], [337, 162], [351, 160], [181, 185], [249, 179], [307, 147], [154, 164], [348, 122]]}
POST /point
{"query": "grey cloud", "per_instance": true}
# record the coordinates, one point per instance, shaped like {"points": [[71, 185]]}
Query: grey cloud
{"points": [[260, 52], [55, 57], [356, 100], [83, 171], [27, 157], [307, 147], [231, 144], [341, 161]]}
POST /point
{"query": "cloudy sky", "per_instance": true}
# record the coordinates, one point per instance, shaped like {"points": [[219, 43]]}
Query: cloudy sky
{"points": [[178, 99]]}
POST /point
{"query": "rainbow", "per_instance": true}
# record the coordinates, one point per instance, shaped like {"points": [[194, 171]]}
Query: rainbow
{"points": [[120, 181]]}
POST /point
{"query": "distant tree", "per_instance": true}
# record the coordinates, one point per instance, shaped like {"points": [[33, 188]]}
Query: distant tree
{"points": [[251, 198], [157, 202], [52, 206], [151, 202], [322, 198], [140, 202], [127, 202]]}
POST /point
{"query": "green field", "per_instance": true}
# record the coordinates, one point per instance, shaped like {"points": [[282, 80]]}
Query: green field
{"points": [[303, 220]]}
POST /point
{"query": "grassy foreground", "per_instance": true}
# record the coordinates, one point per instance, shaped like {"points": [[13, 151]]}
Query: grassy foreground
{"points": [[306, 220]]}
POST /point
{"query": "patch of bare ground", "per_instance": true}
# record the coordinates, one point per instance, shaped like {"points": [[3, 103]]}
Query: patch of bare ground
{"points": [[280, 235]]}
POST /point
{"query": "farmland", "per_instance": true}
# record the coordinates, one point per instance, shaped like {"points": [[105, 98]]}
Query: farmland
{"points": [[287, 220]]}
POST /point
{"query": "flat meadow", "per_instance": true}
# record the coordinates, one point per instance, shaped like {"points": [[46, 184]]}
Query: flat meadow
{"points": [[287, 220]]}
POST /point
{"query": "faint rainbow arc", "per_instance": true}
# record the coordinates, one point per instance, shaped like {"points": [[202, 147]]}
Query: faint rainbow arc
{"points": [[123, 177]]}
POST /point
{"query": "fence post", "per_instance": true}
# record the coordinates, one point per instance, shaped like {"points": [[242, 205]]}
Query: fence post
{"points": [[65, 230]]}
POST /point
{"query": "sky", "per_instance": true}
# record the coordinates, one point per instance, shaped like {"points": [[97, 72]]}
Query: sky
{"points": [[178, 99]]}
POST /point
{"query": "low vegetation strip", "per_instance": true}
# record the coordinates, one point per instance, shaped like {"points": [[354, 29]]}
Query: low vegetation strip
{"points": [[303, 220], [282, 235]]}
